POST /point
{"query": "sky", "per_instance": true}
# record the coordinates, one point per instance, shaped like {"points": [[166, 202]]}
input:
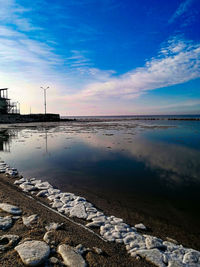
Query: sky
{"points": [[101, 57]]}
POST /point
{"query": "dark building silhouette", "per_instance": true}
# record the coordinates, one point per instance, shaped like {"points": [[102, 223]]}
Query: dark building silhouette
{"points": [[6, 107]]}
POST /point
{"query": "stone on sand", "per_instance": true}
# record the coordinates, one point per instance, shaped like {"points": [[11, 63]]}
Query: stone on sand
{"points": [[33, 253], [153, 242], [5, 222], [30, 220], [49, 237], [54, 226], [140, 226], [78, 211], [10, 209], [153, 256], [70, 256], [8, 241], [26, 187]]}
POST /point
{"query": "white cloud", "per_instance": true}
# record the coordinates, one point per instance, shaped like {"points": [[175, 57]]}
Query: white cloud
{"points": [[177, 63], [183, 7]]}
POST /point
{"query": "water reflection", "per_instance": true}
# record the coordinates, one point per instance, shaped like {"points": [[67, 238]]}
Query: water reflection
{"points": [[6, 136], [127, 159]]}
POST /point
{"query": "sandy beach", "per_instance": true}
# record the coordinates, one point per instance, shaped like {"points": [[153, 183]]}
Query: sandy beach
{"points": [[112, 254]]}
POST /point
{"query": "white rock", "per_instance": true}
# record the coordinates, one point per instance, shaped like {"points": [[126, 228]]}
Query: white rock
{"points": [[174, 263], [53, 226], [94, 224], [27, 187], [43, 186], [153, 242], [20, 181], [153, 256], [35, 181], [49, 237], [57, 204], [129, 238], [33, 253], [116, 235], [53, 191], [5, 222], [117, 220], [135, 243], [80, 199], [54, 260], [175, 255], [91, 210], [192, 256], [30, 220], [170, 246], [52, 197], [101, 219], [10, 209], [140, 226], [71, 257], [78, 211], [81, 249], [91, 216], [120, 228], [66, 199], [108, 236], [42, 193]]}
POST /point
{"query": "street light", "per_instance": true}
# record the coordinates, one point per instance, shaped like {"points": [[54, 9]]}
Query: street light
{"points": [[19, 106], [45, 102]]}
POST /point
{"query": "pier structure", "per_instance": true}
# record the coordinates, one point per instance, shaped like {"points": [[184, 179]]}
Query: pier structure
{"points": [[6, 106]]}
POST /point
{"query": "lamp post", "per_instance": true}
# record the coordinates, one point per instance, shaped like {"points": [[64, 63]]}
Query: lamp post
{"points": [[18, 106], [45, 102]]}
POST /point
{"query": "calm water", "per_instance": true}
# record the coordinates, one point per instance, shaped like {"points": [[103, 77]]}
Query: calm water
{"points": [[156, 163]]}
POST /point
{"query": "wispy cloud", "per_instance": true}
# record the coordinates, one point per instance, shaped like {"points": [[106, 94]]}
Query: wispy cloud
{"points": [[183, 7], [177, 62]]}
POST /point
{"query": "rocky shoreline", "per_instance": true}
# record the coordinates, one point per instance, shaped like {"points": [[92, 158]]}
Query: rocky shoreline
{"points": [[82, 214]]}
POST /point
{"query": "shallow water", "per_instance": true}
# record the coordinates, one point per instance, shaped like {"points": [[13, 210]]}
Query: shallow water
{"points": [[151, 165]]}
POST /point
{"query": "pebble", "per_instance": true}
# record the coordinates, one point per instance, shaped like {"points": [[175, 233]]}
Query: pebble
{"points": [[78, 211], [153, 256], [54, 226], [94, 224], [53, 260], [70, 256], [140, 226], [98, 250], [30, 220], [10, 209], [5, 222], [33, 253], [26, 187], [43, 186], [42, 193], [8, 241], [153, 242], [192, 256], [81, 249], [49, 237]]}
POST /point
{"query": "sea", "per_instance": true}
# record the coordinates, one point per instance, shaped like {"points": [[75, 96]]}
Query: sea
{"points": [[148, 164]]}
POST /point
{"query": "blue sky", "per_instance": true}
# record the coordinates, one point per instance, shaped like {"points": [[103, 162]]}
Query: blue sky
{"points": [[102, 57]]}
